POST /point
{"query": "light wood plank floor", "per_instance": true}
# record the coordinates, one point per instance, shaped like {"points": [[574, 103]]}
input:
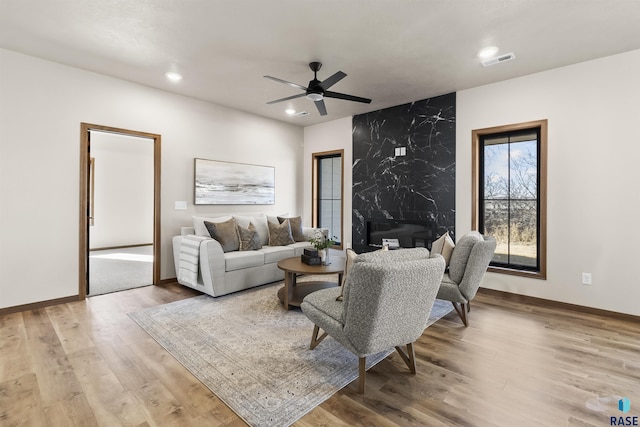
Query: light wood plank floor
{"points": [[86, 364]]}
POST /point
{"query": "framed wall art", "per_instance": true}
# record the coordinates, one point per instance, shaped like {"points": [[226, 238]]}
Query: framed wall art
{"points": [[227, 183]]}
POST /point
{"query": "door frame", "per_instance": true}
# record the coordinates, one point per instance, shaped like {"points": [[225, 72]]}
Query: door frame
{"points": [[85, 185]]}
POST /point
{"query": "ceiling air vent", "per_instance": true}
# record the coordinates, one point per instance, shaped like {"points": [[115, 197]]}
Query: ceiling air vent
{"points": [[301, 114], [498, 59]]}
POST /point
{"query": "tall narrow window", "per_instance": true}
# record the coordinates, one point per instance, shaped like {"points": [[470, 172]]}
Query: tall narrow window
{"points": [[327, 192], [510, 195]]}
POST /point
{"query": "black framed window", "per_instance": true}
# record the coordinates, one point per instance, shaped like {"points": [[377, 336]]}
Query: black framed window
{"points": [[510, 202], [328, 191]]}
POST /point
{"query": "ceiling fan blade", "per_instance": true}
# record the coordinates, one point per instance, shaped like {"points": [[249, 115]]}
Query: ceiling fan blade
{"points": [[287, 98], [329, 94], [321, 108], [330, 81], [297, 86]]}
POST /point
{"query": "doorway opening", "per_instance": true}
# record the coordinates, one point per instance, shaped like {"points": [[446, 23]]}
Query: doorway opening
{"points": [[119, 209]]}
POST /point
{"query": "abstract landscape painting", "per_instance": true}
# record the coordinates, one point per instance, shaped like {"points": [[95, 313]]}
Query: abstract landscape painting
{"points": [[225, 183]]}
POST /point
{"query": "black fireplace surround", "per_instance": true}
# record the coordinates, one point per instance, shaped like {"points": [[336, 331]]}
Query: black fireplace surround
{"points": [[410, 234], [417, 186]]}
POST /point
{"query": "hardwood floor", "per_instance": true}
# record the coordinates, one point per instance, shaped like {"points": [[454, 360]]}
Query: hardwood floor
{"points": [[86, 363]]}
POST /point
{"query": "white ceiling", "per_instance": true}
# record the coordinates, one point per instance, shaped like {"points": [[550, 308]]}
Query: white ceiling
{"points": [[393, 51]]}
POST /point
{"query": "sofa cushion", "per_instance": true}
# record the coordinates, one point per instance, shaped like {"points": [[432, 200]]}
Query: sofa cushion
{"points": [[460, 255], [295, 222], [243, 259], [249, 238], [280, 234], [226, 233], [443, 246], [299, 247], [276, 253]]}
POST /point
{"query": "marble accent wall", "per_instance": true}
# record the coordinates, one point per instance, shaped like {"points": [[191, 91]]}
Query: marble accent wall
{"points": [[419, 186]]}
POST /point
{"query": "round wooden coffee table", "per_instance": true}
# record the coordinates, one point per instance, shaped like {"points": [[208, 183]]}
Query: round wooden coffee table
{"points": [[293, 293]]}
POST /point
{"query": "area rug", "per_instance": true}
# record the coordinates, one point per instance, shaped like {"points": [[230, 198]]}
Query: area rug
{"points": [[254, 355]]}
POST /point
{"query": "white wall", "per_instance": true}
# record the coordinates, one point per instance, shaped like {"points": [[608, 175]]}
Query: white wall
{"points": [[333, 135], [41, 108], [123, 196], [593, 200]]}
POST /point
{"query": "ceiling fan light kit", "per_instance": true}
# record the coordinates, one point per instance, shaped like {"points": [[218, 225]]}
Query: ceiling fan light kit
{"points": [[317, 90], [315, 97]]}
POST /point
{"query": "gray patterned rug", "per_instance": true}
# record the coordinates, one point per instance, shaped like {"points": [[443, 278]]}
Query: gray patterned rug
{"points": [[254, 355]]}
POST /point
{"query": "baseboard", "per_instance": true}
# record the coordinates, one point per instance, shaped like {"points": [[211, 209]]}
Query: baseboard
{"points": [[558, 304], [39, 304], [73, 298]]}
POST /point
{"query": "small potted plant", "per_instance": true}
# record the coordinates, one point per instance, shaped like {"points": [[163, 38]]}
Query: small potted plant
{"points": [[322, 244]]}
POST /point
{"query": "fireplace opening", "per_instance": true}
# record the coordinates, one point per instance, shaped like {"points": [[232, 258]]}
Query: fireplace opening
{"points": [[406, 233]]}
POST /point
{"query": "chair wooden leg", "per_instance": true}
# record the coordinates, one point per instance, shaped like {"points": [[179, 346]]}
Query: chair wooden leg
{"points": [[462, 311], [409, 357], [314, 337], [362, 372]]}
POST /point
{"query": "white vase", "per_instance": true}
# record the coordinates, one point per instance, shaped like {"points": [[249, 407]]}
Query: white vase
{"points": [[322, 253]]}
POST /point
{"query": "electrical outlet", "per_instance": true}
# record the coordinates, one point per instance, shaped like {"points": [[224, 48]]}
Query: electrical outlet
{"points": [[586, 278]]}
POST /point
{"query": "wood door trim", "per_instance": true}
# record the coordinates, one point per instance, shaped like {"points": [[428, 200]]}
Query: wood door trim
{"points": [[83, 242]]}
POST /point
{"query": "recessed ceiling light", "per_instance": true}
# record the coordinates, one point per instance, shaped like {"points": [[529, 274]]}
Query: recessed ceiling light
{"points": [[487, 52], [173, 76], [290, 111]]}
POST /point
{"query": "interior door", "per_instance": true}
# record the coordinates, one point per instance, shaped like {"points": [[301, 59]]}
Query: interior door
{"points": [[88, 219]]}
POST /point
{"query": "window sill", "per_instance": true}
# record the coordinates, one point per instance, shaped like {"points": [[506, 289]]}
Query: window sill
{"points": [[540, 275]]}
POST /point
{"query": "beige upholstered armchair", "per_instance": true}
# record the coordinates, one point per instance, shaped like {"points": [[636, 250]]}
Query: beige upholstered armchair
{"points": [[469, 261], [388, 297]]}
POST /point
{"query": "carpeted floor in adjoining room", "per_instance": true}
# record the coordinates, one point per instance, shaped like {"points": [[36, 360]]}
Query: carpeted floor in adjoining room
{"points": [[114, 270]]}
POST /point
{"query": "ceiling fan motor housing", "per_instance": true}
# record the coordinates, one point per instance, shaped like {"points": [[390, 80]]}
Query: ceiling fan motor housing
{"points": [[317, 90], [314, 90]]}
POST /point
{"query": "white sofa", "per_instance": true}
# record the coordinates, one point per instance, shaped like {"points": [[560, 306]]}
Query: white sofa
{"points": [[222, 273]]}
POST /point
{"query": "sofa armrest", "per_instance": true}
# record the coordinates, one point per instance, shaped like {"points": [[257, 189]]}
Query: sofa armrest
{"points": [[212, 264]]}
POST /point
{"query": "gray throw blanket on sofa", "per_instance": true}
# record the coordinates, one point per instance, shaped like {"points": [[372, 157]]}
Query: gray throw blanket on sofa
{"points": [[189, 259]]}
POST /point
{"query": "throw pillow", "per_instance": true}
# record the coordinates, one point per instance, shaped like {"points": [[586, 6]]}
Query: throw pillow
{"points": [[199, 227], [295, 222], [443, 246], [280, 234], [351, 256], [249, 238], [226, 233]]}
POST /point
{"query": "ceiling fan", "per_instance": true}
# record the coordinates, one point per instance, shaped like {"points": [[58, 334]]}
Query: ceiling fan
{"points": [[317, 90]]}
